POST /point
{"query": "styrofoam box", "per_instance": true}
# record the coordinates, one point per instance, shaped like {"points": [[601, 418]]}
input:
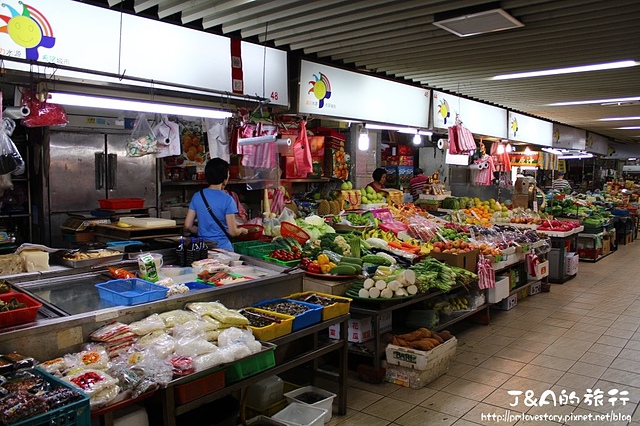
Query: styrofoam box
{"points": [[296, 414], [500, 291], [385, 322], [422, 360], [359, 330], [571, 261], [325, 403], [542, 270]]}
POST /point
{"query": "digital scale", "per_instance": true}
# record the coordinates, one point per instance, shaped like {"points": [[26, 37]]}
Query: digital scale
{"points": [[80, 223]]}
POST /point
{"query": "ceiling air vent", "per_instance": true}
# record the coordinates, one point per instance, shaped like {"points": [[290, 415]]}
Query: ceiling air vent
{"points": [[479, 23]]}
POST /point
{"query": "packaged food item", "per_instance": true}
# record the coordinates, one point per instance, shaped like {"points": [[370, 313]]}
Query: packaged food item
{"points": [[5, 366], [219, 312], [19, 361], [104, 397], [177, 316], [60, 396], [182, 365], [94, 356], [108, 331], [91, 381], [24, 381], [147, 325], [53, 366], [121, 273]]}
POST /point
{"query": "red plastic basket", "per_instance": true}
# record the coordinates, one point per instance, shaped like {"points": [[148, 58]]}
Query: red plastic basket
{"points": [[22, 315], [121, 203], [289, 230], [255, 232]]}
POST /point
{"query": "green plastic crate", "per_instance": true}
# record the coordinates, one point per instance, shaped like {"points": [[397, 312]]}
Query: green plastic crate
{"points": [[249, 366], [287, 263], [261, 250], [77, 413], [242, 247]]}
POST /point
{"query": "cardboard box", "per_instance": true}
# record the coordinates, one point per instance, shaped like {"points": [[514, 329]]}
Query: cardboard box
{"points": [[500, 291], [571, 261], [359, 330], [405, 160], [336, 164], [468, 261], [436, 359], [520, 200]]}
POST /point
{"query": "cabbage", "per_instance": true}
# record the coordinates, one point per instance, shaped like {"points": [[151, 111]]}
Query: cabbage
{"points": [[314, 220]]}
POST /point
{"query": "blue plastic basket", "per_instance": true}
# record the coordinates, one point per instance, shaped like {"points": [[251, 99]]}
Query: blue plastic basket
{"points": [[305, 319], [198, 286], [77, 413], [131, 291]]}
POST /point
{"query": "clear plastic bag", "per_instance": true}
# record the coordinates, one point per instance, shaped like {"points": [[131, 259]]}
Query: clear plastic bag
{"points": [[10, 159], [142, 141]]}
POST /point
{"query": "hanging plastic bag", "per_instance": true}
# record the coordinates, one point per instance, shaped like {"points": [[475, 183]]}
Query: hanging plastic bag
{"points": [[10, 159], [143, 141], [167, 133], [302, 152], [42, 113]]}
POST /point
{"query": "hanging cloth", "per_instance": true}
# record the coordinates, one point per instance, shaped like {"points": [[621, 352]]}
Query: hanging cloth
{"points": [[302, 152], [218, 137]]}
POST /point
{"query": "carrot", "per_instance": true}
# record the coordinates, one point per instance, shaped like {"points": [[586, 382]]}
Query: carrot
{"points": [[395, 245], [408, 245]]}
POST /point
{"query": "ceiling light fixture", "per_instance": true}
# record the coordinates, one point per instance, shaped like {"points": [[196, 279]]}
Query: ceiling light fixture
{"points": [[619, 119], [470, 22], [598, 101], [552, 151], [509, 148], [576, 157], [363, 139], [417, 139], [400, 129], [72, 99], [628, 128], [569, 70], [500, 149], [527, 151]]}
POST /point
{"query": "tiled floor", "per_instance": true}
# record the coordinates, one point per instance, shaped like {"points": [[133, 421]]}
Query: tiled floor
{"points": [[582, 335]]}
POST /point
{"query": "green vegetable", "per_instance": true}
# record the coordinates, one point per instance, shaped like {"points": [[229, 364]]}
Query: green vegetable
{"points": [[343, 269], [354, 243], [357, 267], [375, 260], [352, 260]]}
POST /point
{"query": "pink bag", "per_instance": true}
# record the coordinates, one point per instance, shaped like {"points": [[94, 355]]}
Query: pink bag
{"points": [[302, 152]]}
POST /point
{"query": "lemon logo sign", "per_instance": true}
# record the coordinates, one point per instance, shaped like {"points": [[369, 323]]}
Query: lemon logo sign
{"points": [[514, 126], [321, 88], [30, 29], [444, 110]]}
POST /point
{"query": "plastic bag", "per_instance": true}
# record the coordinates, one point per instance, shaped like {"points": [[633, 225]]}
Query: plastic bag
{"points": [[42, 113], [143, 140], [147, 325], [10, 159]]}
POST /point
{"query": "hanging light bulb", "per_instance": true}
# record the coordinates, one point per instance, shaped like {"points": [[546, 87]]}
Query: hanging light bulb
{"points": [[500, 149], [363, 140], [417, 139], [509, 148], [527, 151]]}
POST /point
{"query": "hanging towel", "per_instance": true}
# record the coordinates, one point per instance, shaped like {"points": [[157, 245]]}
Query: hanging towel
{"points": [[218, 137], [302, 152], [167, 134]]}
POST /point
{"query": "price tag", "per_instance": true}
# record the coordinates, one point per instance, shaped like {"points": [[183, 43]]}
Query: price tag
{"points": [[535, 205]]}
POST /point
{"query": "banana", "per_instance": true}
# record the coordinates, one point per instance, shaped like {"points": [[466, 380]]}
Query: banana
{"points": [[123, 225]]}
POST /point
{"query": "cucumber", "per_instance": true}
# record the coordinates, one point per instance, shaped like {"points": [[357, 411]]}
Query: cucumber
{"points": [[352, 260], [357, 267], [343, 269], [375, 260]]}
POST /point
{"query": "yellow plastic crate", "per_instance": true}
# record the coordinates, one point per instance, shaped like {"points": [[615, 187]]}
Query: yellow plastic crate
{"points": [[331, 311], [274, 330]]}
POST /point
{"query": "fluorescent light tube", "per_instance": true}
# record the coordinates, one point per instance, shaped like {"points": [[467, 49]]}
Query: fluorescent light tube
{"points": [[257, 140], [87, 101], [552, 151], [363, 140], [619, 119], [575, 157], [569, 70], [628, 128], [597, 101], [400, 129]]}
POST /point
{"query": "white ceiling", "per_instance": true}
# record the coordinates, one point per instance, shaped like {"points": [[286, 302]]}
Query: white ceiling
{"points": [[396, 38]]}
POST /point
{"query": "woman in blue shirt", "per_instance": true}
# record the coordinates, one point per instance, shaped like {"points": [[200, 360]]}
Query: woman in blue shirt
{"points": [[223, 207]]}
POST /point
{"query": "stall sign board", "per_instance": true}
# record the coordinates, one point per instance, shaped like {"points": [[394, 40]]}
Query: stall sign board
{"points": [[334, 92], [523, 128], [479, 118], [72, 34]]}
